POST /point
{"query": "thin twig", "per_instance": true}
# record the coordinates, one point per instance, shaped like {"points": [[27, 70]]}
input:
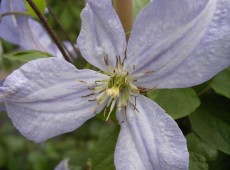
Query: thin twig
{"points": [[63, 44], [49, 29], [12, 13], [204, 90], [61, 27]]}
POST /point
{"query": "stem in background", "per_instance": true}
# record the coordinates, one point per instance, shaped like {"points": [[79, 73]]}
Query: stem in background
{"points": [[63, 45], [124, 11], [61, 27], [204, 90], [12, 13], [48, 28]]}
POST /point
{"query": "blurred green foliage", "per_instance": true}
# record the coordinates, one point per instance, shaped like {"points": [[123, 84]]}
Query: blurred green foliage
{"points": [[172, 100], [68, 12], [26, 56], [80, 147], [41, 5]]}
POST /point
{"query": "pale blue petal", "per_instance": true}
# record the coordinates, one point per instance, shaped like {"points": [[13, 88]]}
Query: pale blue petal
{"points": [[101, 34], [149, 139], [63, 165], [70, 48], [8, 24], [209, 57], [32, 35], [180, 43], [54, 50], [44, 98], [157, 30], [24, 31], [12, 5]]}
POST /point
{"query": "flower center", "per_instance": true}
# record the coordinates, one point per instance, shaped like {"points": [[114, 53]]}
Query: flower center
{"points": [[113, 92], [116, 84]]}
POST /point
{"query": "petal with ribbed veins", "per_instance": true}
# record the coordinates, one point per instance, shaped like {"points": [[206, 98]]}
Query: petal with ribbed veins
{"points": [[32, 35], [45, 98], [209, 57], [194, 47], [8, 24], [102, 36], [149, 139]]}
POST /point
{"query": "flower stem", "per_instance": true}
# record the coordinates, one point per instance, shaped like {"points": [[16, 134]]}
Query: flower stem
{"points": [[124, 11], [12, 13], [62, 28], [48, 28], [204, 90]]}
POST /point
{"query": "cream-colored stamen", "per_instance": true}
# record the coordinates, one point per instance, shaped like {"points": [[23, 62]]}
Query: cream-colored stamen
{"points": [[113, 92]]}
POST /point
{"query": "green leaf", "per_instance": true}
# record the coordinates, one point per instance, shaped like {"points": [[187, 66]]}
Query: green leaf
{"points": [[222, 162], [202, 88], [2, 156], [221, 83], [138, 5], [197, 162], [197, 145], [41, 5], [103, 155], [37, 159], [211, 121], [26, 56], [176, 102]]}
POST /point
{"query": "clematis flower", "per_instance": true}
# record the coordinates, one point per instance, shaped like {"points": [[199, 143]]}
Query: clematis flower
{"points": [[8, 24], [168, 48], [25, 32]]}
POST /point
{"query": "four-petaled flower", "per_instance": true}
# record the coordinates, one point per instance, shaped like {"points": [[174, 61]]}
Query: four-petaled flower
{"points": [[168, 48]]}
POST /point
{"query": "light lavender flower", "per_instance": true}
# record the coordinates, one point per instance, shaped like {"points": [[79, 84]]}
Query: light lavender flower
{"points": [[25, 32], [168, 48], [8, 24]]}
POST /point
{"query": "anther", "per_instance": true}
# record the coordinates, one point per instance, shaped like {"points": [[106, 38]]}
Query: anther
{"points": [[92, 100], [117, 61], [124, 60], [82, 81], [106, 60], [89, 95]]}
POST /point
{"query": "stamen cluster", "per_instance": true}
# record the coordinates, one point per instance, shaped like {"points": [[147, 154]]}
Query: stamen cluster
{"points": [[113, 91], [117, 89]]}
